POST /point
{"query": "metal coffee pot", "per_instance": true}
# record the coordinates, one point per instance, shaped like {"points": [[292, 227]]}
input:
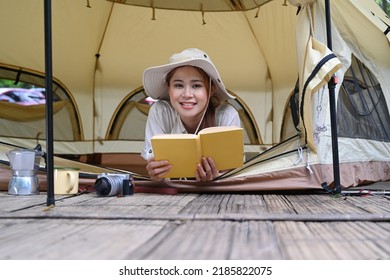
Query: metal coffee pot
{"points": [[25, 165]]}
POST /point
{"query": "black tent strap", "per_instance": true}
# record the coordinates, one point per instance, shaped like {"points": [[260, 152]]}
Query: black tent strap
{"points": [[311, 77], [294, 107]]}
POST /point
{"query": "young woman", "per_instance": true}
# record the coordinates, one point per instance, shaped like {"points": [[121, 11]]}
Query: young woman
{"points": [[190, 97]]}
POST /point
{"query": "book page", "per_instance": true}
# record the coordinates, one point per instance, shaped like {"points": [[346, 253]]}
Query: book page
{"points": [[175, 136], [181, 150], [225, 145], [218, 128]]}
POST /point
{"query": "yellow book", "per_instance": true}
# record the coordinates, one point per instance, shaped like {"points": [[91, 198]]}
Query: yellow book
{"points": [[224, 144]]}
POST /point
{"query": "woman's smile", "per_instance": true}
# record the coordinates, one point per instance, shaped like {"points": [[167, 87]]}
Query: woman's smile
{"points": [[188, 105]]}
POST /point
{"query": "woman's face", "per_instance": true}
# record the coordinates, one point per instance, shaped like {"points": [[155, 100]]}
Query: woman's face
{"points": [[188, 92]]}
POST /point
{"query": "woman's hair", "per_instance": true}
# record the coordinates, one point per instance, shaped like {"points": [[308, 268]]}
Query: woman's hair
{"points": [[214, 102]]}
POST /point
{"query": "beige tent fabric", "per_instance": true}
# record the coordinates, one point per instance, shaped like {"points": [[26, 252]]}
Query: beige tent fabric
{"points": [[367, 41], [376, 16], [310, 53], [196, 5], [315, 52]]}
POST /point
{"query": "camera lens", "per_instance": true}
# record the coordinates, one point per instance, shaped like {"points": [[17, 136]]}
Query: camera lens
{"points": [[108, 186]]}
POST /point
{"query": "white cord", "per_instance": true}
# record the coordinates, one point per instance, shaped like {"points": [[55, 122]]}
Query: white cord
{"points": [[308, 167], [300, 153]]}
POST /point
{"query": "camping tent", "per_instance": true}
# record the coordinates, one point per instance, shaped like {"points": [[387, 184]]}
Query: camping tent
{"points": [[100, 49]]}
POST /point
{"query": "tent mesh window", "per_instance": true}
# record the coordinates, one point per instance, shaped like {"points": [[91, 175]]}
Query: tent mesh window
{"points": [[361, 108], [129, 120], [23, 109]]}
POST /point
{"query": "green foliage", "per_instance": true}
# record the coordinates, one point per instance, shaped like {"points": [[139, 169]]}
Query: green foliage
{"points": [[11, 84]]}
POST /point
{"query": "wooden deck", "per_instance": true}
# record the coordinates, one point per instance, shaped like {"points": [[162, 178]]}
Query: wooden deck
{"points": [[273, 226]]}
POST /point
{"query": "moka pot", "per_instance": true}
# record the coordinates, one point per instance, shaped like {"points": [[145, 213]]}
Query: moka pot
{"points": [[25, 165]]}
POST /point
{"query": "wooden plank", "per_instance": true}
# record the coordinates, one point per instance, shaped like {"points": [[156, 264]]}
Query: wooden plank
{"points": [[255, 240], [89, 205], [335, 240], [11, 203], [74, 239], [277, 203], [85, 239], [326, 204], [371, 204], [226, 203], [194, 240]]}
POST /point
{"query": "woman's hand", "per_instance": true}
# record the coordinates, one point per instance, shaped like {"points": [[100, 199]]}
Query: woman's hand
{"points": [[157, 169], [206, 170]]}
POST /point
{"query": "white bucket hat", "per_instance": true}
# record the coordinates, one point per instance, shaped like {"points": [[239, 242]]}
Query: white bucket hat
{"points": [[154, 77]]}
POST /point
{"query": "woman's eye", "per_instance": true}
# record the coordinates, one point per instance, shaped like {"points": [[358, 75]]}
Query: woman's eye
{"points": [[177, 85], [197, 85]]}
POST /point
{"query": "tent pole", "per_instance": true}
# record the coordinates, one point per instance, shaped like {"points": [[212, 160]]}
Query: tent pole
{"points": [[49, 104], [332, 102]]}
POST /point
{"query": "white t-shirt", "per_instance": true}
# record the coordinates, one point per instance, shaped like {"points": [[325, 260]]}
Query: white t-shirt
{"points": [[163, 119]]}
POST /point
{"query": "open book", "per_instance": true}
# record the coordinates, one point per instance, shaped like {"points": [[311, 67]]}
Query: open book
{"points": [[224, 144]]}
